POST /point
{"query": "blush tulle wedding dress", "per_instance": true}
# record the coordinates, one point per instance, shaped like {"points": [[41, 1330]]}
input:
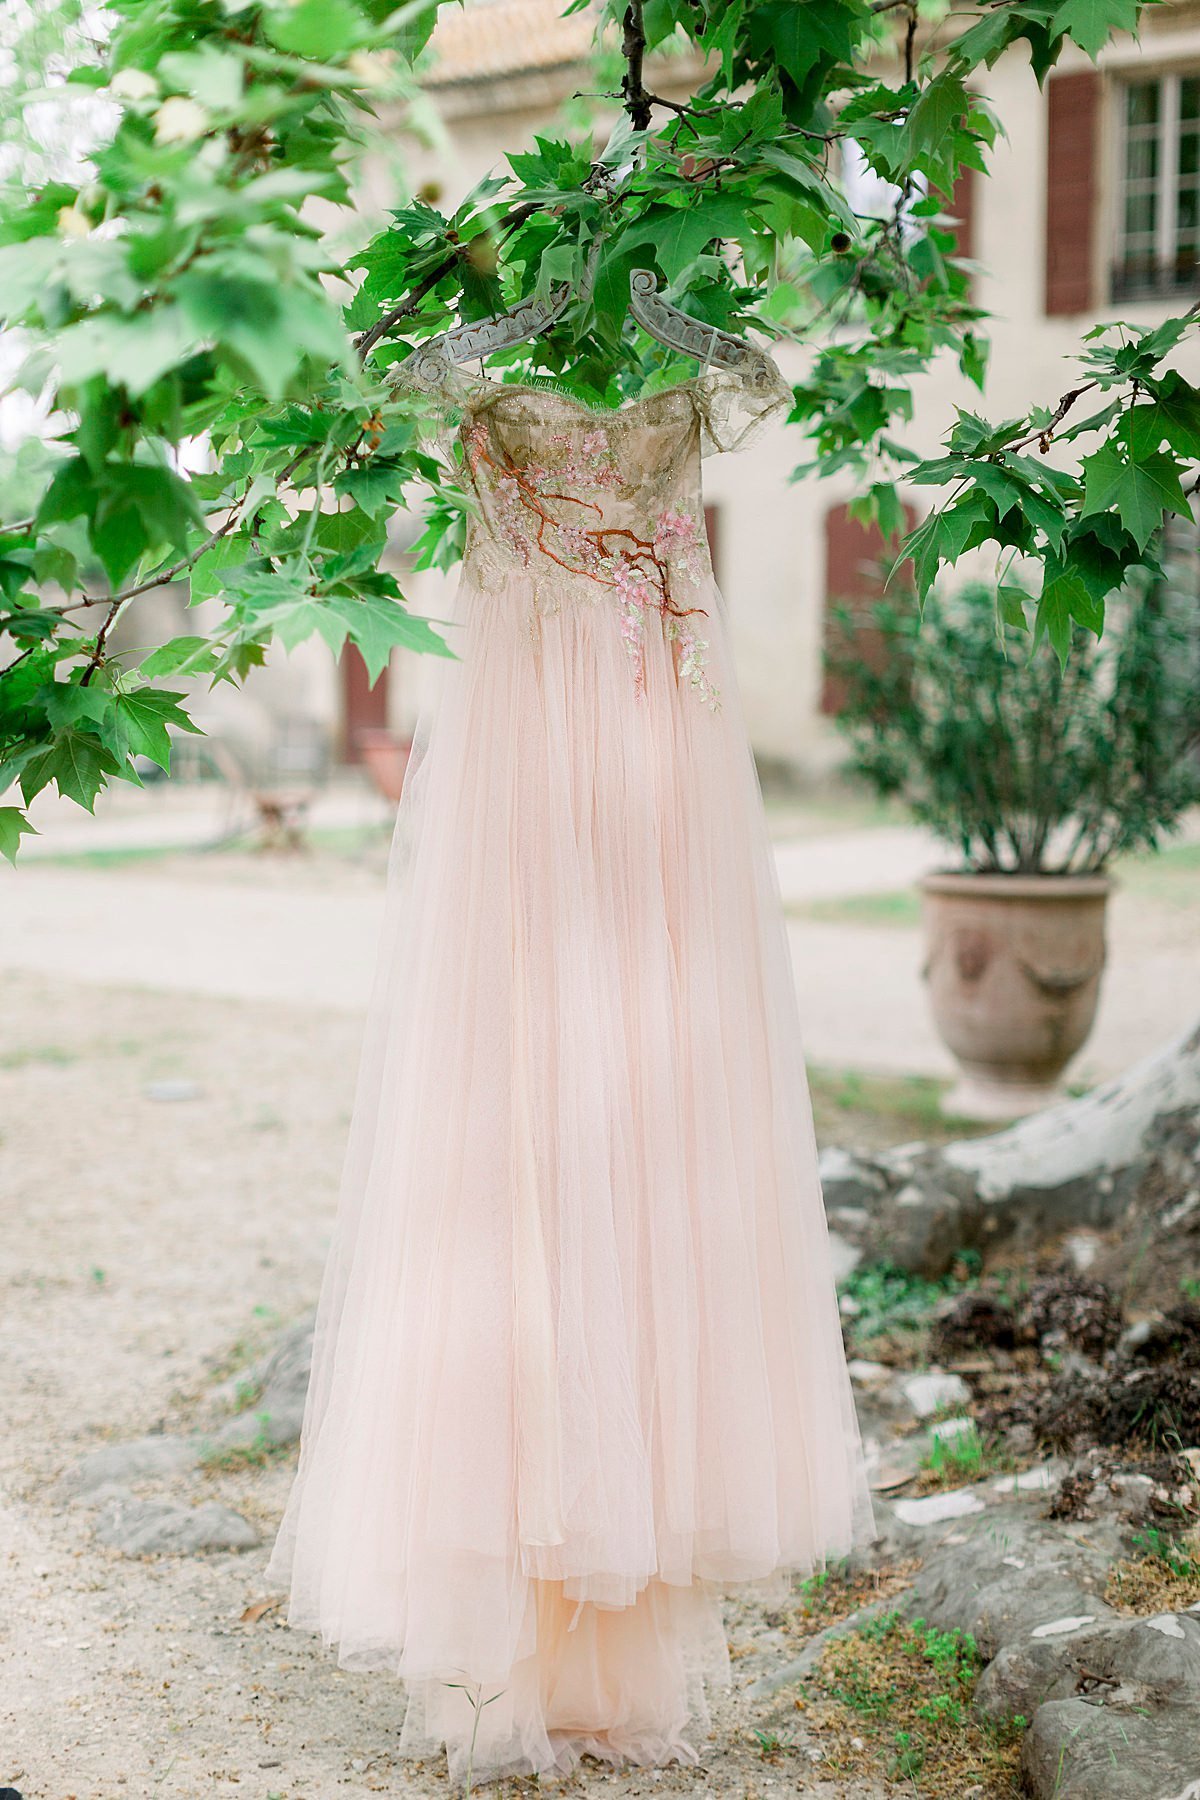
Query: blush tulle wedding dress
{"points": [[578, 1365]]}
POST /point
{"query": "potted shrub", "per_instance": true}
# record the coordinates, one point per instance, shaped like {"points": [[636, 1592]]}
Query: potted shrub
{"points": [[1038, 776]]}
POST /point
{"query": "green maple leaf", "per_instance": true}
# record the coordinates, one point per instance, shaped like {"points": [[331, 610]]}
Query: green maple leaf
{"points": [[377, 625], [927, 140], [76, 762], [1141, 492], [1067, 595], [1175, 415], [680, 234], [13, 826], [1092, 22], [145, 714]]}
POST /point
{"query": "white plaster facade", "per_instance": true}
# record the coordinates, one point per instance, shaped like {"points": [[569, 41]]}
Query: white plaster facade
{"points": [[771, 559]]}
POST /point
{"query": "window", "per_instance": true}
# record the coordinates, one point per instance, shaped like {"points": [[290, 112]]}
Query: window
{"points": [[1158, 225]]}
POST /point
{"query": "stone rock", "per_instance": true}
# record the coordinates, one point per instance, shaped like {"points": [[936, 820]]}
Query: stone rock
{"points": [[121, 1463], [1022, 1676], [850, 1184], [1077, 1750], [932, 1509], [1081, 1248], [891, 1461], [934, 1391], [946, 1431], [1128, 1726], [178, 1089], [1054, 1628], [868, 1374], [144, 1527], [1007, 1575], [843, 1255], [276, 1417], [1037, 1480]]}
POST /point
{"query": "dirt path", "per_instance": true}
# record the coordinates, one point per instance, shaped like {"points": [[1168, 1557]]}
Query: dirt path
{"points": [[147, 1239], [303, 931]]}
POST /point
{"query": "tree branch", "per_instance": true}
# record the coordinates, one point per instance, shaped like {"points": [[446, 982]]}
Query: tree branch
{"points": [[404, 308], [117, 603], [638, 102]]}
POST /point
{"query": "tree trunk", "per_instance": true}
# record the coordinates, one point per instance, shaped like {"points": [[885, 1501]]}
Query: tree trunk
{"points": [[1124, 1160]]}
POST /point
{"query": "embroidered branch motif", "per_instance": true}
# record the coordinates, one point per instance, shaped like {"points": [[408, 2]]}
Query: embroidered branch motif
{"points": [[639, 571]]}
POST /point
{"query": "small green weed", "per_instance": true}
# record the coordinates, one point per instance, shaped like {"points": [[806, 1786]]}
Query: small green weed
{"points": [[968, 1456], [256, 1454], [894, 1306]]}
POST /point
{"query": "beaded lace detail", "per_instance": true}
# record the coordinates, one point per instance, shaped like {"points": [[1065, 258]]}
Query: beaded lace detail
{"points": [[589, 503]]}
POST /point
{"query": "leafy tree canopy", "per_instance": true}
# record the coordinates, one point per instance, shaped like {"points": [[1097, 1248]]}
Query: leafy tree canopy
{"points": [[172, 289]]}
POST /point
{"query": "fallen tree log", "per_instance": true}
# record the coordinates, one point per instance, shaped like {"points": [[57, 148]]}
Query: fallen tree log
{"points": [[1123, 1159]]}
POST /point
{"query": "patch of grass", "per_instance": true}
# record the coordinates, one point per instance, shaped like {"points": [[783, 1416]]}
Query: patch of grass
{"points": [[831, 1594], [25, 1056], [245, 1348], [899, 908], [827, 812], [873, 1112], [773, 1744], [894, 1306], [261, 1450], [1170, 876], [109, 859], [1165, 1577], [893, 1700], [957, 1461]]}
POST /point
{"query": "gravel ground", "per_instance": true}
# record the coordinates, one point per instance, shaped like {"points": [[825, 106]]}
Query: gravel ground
{"points": [[153, 1246]]}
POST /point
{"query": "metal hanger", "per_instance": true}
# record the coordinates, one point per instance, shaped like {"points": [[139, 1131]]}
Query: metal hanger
{"points": [[666, 323]]}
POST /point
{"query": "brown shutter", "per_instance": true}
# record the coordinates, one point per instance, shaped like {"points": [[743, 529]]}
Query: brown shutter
{"points": [[363, 707], [962, 208], [856, 562], [1073, 119]]}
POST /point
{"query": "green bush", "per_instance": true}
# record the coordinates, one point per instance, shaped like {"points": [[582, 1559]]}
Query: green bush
{"points": [[1025, 766]]}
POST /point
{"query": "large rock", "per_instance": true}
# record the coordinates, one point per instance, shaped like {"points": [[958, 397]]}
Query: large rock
{"points": [[1141, 1662], [139, 1527], [1080, 1165], [1077, 1750], [933, 1390], [1007, 1575], [276, 1417], [122, 1463]]}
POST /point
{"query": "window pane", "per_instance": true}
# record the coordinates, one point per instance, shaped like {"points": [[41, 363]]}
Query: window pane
{"points": [[1141, 158], [1186, 213], [1189, 153], [1142, 99], [1141, 214], [1189, 98]]}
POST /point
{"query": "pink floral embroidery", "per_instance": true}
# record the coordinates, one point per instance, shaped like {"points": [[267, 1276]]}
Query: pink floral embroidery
{"points": [[641, 572]]}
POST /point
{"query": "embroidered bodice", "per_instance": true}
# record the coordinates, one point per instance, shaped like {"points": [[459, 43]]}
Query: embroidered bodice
{"points": [[584, 502]]}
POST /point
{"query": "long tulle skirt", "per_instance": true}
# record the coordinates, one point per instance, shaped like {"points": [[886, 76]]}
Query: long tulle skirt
{"points": [[578, 1365]]}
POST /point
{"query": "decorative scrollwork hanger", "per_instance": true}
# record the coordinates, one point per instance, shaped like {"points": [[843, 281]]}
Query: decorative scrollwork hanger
{"points": [[680, 331], [663, 321]]}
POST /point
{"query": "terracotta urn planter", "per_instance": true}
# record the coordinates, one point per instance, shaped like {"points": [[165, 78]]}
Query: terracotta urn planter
{"points": [[385, 757], [1013, 964]]}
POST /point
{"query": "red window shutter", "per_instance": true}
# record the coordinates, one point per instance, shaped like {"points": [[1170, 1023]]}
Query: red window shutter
{"points": [[856, 562], [1073, 119], [364, 707], [962, 208]]}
